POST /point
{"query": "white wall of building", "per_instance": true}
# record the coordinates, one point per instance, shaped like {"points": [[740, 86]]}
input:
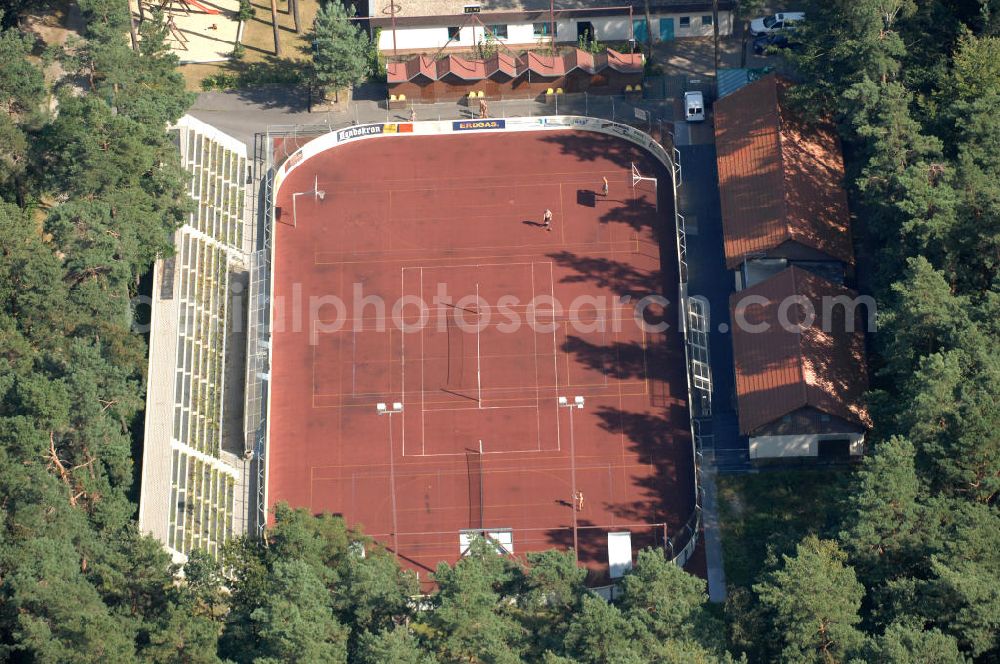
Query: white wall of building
{"points": [[608, 29], [805, 445]]}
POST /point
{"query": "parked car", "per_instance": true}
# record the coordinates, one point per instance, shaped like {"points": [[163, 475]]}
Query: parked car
{"points": [[768, 24], [776, 40], [694, 106]]}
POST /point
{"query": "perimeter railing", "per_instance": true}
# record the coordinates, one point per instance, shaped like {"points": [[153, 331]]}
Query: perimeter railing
{"points": [[650, 113]]}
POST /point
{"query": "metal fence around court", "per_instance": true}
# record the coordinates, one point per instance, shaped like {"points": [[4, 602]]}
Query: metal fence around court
{"points": [[653, 114]]}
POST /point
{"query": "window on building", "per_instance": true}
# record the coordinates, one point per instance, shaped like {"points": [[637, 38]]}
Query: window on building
{"points": [[706, 19], [685, 22], [499, 31], [542, 29], [453, 32]]}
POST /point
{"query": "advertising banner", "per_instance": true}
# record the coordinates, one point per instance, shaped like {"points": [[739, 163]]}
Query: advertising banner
{"points": [[465, 125]]}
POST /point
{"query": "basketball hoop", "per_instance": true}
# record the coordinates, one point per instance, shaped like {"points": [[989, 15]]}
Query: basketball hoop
{"points": [[638, 178], [316, 193]]}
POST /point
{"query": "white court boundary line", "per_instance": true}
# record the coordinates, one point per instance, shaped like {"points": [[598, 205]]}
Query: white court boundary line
{"points": [[536, 406]]}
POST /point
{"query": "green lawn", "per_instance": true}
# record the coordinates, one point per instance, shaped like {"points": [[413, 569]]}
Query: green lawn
{"points": [[772, 511]]}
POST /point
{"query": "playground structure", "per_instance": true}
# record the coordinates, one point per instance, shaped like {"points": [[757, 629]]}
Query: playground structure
{"points": [[198, 31]]}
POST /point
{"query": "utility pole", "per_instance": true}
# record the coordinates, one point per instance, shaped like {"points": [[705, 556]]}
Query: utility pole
{"points": [[649, 30], [552, 25], [715, 34]]}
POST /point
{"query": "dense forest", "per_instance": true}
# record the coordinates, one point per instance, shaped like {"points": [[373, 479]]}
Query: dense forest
{"points": [[90, 191]]}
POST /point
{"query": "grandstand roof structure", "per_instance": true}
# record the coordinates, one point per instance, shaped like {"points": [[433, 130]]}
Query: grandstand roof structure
{"points": [[541, 65]]}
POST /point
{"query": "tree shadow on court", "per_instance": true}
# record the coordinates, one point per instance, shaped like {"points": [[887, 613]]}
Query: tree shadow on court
{"points": [[620, 360], [605, 273], [640, 214], [592, 545], [664, 442], [591, 146]]}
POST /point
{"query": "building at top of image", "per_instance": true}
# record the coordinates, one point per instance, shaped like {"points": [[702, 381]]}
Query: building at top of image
{"points": [[421, 26]]}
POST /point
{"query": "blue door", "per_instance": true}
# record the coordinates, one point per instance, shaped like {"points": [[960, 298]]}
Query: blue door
{"points": [[640, 30], [666, 28]]}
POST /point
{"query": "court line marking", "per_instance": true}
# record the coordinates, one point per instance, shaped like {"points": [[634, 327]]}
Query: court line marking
{"points": [[494, 390], [423, 358], [424, 452], [529, 177], [415, 469], [582, 388], [626, 395], [562, 217], [538, 313], [555, 363], [398, 255], [534, 348], [402, 371]]}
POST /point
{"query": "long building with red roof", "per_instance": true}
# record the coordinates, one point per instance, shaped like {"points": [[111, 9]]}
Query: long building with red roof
{"points": [[503, 75]]}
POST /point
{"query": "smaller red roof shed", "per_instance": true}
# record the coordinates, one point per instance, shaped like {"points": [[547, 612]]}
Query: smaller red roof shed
{"points": [[780, 370]]}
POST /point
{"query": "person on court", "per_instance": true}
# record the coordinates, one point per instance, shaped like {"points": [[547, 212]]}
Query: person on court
{"points": [[604, 188], [547, 220], [578, 499]]}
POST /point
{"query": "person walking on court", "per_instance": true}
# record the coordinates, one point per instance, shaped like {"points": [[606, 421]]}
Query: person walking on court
{"points": [[547, 220], [604, 188], [578, 500]]}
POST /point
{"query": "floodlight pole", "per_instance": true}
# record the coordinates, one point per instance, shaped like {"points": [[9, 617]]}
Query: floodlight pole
{"points": [[383, 409], [577, 402]]}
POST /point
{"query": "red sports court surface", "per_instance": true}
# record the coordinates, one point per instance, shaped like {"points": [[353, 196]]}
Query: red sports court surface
{"points": [[481, 441]]}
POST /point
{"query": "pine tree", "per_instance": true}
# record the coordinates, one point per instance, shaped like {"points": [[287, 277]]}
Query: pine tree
{"points": [[471, 616], [883, 526], [814, 599], [669, 602], [22, 84], [553, 591], [340, 48], [903, 644], [599, 633], [397, 645], [963, 598], [294, 621]]}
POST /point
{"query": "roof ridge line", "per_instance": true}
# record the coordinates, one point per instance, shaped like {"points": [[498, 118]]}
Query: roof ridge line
{"points": [[781, 162], [800, 357]]}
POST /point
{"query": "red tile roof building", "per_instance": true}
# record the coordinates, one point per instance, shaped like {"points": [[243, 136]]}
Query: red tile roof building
{"points": [[505, 76], [780, 180], [804, 383]]}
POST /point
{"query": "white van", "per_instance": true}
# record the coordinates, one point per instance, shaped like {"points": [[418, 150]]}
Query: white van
{"points": [[694, 106], [768, 24]]}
